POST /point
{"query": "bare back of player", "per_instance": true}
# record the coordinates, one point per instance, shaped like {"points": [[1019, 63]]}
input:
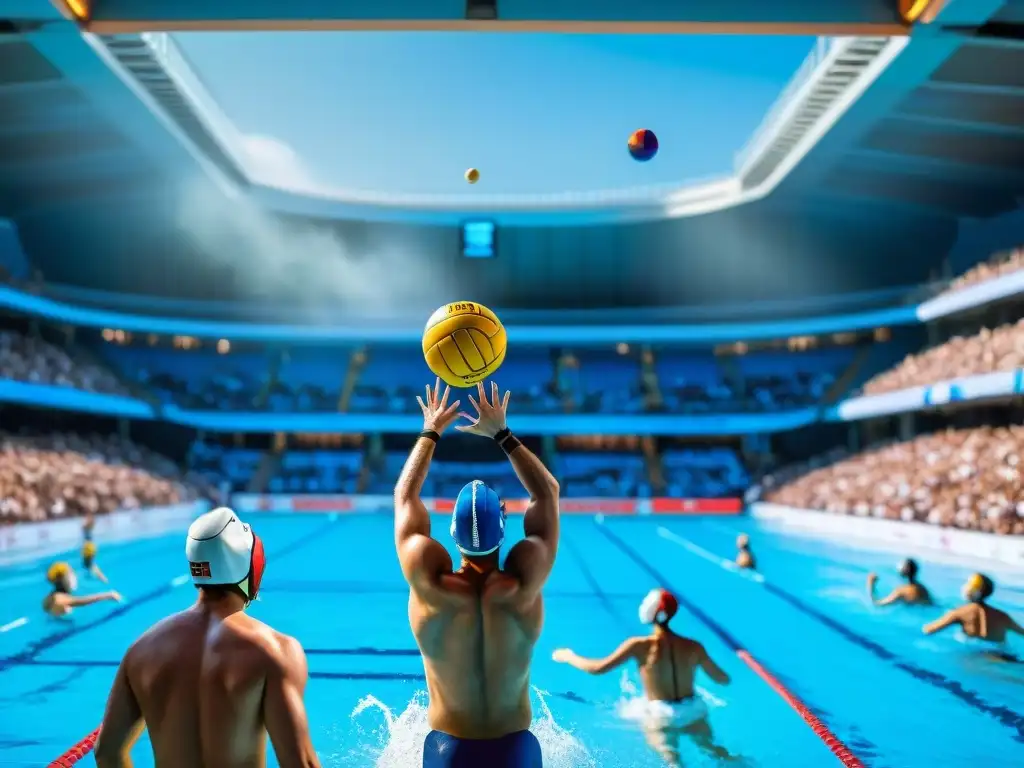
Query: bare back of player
{"points": [[477, 625], [210, 683]]}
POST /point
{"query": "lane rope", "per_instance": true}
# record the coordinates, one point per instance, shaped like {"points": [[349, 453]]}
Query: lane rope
{"points": [[834, 744]]}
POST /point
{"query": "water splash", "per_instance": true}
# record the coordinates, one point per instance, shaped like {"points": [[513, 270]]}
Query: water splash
{"points": [[633, 706], [396, 741]]}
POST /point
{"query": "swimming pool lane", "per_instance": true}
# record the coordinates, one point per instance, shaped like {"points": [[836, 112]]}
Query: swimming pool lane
{"points": [[856, 661], [336, 584]]}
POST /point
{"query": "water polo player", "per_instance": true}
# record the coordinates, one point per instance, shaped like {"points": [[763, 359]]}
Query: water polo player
{"points": [[64, 581], [668, 665], [976, 617], [744, 557], [89, 561], [476, 626], [912, 592], [210, 683]]}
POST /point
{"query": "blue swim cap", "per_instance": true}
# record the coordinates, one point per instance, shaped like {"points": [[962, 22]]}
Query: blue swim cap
{"points": [[478, 522]]}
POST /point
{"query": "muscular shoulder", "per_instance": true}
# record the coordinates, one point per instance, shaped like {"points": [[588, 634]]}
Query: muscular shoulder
{"points": [[278, 650]]}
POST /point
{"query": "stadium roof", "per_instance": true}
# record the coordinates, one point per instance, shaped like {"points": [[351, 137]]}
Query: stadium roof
{"points": [[872, 162]]}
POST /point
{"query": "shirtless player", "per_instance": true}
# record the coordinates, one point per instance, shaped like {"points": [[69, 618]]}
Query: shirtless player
{"points": [[911, 593], [979, 620], [668, 665], [210, 682], [61, 601], [476, 626]]}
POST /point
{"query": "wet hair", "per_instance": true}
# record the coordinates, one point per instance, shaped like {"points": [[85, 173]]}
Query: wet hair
{"points": [[908, 569]]}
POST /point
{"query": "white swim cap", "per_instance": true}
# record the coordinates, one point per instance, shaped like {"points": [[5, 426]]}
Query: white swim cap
{"points": [[658, 607], [224, 551]]}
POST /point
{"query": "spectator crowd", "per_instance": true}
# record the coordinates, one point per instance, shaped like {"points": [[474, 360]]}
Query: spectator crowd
{"points": [[967, 478], [987, 351], [65, 475], [32, 360], [1000, 265]]}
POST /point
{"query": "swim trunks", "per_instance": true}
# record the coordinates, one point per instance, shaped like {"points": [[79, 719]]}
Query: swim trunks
{"points": [[515, 750]]}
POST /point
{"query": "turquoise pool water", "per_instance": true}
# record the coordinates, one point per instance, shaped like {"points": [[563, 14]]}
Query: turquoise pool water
{"points": [[896, 698]]}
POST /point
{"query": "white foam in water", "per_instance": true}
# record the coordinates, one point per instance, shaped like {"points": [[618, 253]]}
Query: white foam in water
{"points": [[633, 707], [397, 742]]}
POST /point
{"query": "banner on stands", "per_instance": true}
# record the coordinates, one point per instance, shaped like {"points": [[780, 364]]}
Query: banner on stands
{"points": [[249, 503], [888, 534], [38, 539]]}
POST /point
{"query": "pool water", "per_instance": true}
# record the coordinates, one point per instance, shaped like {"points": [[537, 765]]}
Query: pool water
{"points": [[897, 699]]}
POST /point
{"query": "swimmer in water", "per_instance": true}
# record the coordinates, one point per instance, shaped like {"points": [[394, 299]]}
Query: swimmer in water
{"points": [[978, 619], [668, 664], [744, 557], [210, 682], [911, 593], [476, 626], [60, 602], [89, 562]]}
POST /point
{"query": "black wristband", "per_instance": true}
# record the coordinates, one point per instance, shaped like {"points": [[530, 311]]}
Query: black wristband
{"points": [[509, 444], [503, 435], [430, 435]]}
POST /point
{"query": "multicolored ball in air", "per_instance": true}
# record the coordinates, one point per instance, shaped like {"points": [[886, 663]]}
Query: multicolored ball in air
{"points": [[643, 145]]}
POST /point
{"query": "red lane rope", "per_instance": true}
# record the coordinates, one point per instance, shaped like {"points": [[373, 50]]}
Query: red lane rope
{"points": [[830, 740], [77, 752]]}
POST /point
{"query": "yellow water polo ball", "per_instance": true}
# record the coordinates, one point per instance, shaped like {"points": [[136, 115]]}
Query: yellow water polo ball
{"points": [[472, 175], [464, 343]]}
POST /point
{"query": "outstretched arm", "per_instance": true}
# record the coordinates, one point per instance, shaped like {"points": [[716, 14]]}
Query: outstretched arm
{"points": [[951, 618], [122, 724], [75, 601], [628, 650], [713, 671], [284, 710], [531, 560], [893, 597], [419, 555]]}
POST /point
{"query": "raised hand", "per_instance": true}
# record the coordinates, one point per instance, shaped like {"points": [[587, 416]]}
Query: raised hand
{"points": [[437, 414], [563, 655], [490, 415]]}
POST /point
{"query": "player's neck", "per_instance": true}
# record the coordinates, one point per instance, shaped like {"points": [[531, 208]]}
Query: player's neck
{"points": [[480, 565], [221, 605]]}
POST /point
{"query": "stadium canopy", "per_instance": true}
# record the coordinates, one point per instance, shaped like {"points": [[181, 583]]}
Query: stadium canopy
{"points": [[796, 17]]}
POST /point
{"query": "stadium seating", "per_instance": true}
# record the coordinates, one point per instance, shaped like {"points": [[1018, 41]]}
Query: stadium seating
{"points": [[1000, 265], [602, 473], [704, 473], [967, 478], [987, 351], [62, 475], [35, 361]]}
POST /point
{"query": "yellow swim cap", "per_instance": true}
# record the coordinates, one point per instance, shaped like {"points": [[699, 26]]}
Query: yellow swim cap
{"points": [[977, 587], [57, 571], [89, 549]]}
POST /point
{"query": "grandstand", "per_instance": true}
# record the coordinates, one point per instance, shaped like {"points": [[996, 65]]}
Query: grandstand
{"points": [[829, 336]]}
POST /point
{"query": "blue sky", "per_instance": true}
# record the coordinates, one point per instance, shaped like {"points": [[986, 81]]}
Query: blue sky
{"points": [[409, 112]]}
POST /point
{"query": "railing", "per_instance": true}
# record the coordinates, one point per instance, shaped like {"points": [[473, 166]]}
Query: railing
{"points": [[261, 312], [770, 123]]}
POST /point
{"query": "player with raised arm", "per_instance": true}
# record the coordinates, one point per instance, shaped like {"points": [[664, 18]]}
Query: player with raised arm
{"points": [[477, 625], [210, 683]]}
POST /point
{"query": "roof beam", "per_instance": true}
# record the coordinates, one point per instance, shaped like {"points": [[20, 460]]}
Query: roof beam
{"points": [[780, 17]]}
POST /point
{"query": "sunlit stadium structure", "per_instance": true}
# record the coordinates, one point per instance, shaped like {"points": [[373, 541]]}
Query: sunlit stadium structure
{"points": [[827, 338]]}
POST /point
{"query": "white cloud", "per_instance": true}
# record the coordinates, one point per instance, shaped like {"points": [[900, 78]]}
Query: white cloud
{"points": [[273, 163]]}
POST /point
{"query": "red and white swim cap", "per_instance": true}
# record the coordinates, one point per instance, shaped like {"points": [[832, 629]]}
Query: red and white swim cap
{"points": [[658, 607], [223, 551]]}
